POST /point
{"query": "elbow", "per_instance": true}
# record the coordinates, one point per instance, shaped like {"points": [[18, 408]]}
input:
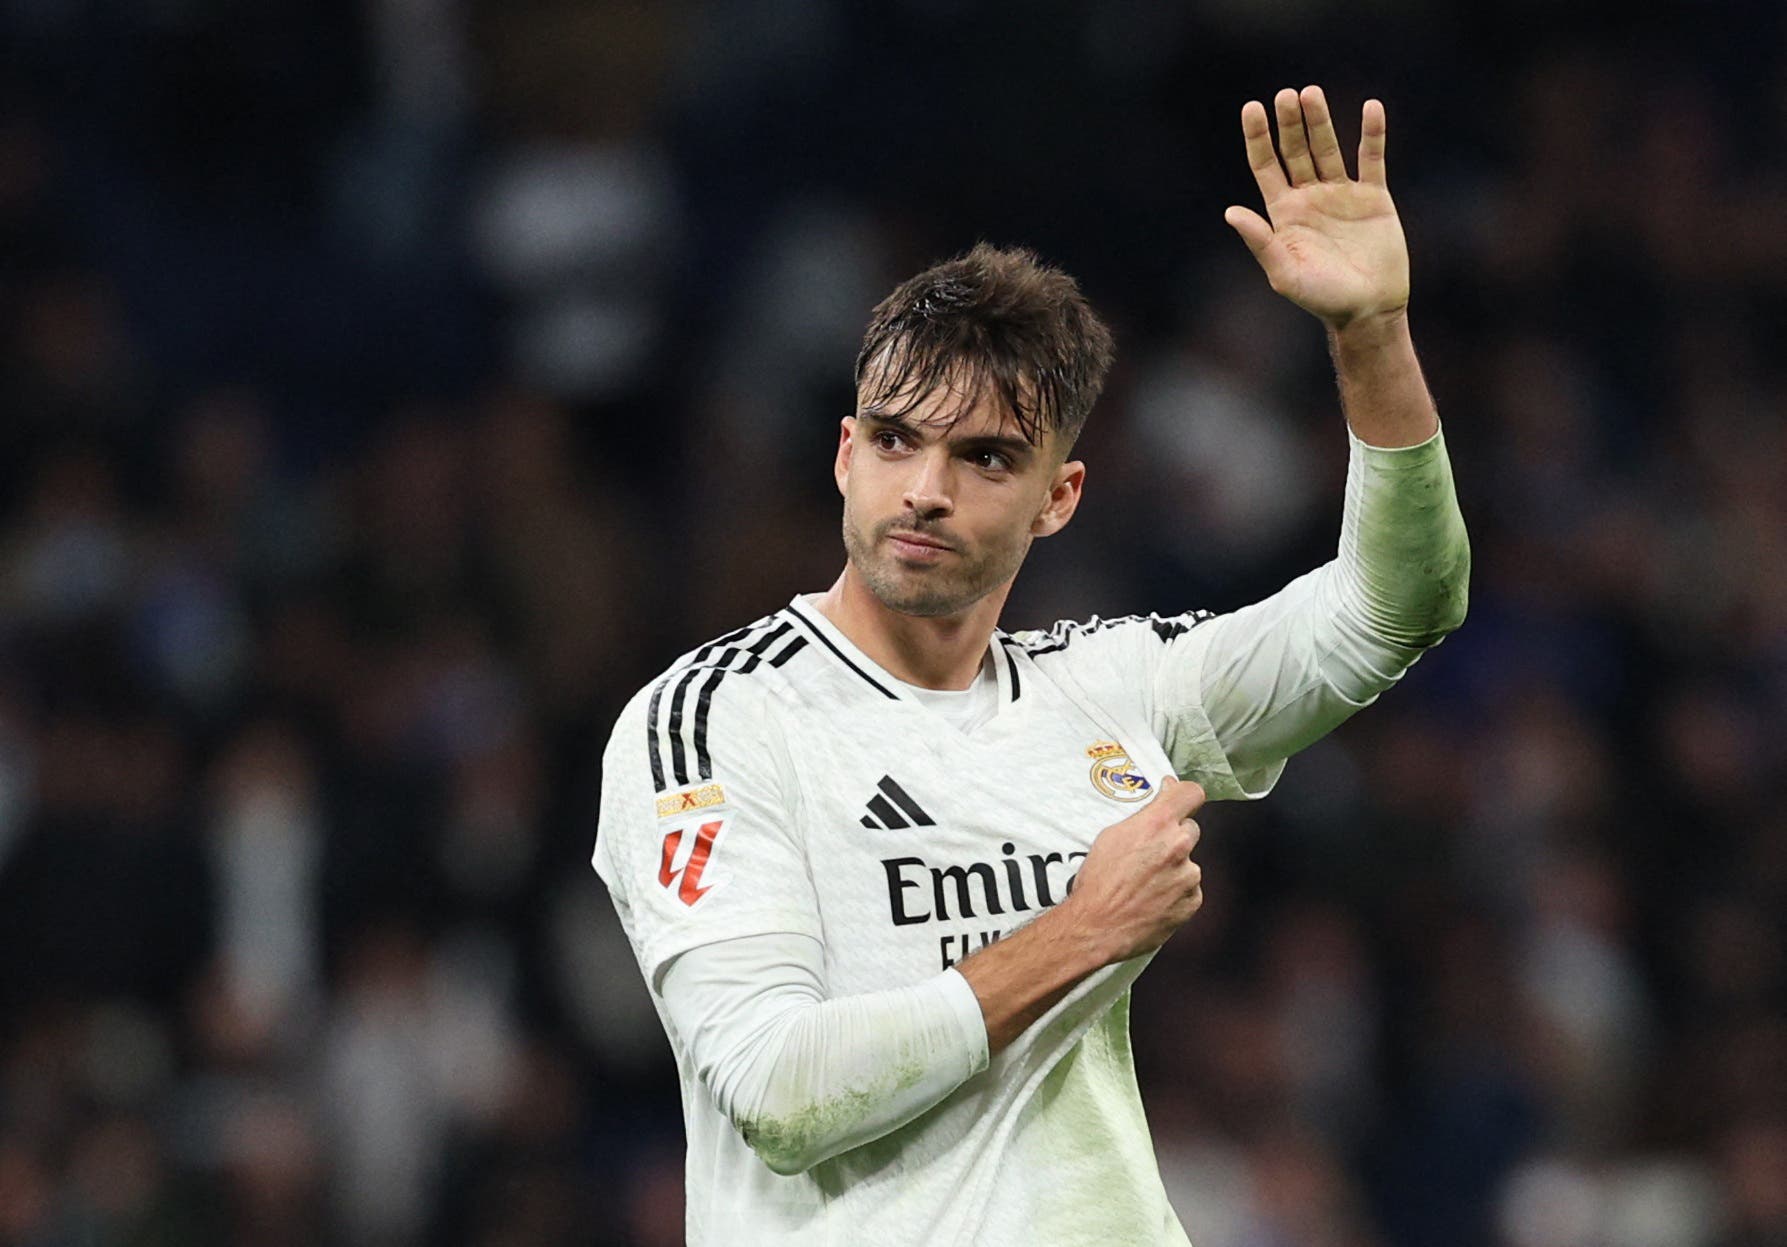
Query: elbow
{"points": [[1453, 617], [785, 1136], [781, 1144], [1446, 618], [1440, 625], [787, 1131], [786, 1165], [790, 1135], [764, 1094], [1452, 600], [1442, 613]]}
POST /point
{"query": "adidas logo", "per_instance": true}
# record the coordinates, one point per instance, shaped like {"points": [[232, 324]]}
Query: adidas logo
{"points": [[893, 808]]}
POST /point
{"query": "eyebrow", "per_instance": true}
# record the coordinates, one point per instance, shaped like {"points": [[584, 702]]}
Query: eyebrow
{"points": [[1014, 448]]}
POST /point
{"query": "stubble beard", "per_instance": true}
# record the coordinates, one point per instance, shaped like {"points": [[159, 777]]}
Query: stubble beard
{"points": [[947, 589]]}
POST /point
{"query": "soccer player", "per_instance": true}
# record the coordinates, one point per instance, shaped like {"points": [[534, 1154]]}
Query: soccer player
{"points": [[890, 871]]}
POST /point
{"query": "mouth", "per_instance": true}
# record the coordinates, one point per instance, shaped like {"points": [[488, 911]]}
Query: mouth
{"points": [[917, 545]]}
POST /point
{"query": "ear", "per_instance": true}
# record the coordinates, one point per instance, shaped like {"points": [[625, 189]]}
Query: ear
{"points": [[1063, 499], [840, 468]]}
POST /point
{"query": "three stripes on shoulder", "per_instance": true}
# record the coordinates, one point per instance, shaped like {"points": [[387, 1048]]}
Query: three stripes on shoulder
{"points": [[681, 700]]}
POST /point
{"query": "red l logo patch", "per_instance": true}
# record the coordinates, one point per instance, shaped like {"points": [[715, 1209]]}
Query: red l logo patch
{"points": [[690, 890]]}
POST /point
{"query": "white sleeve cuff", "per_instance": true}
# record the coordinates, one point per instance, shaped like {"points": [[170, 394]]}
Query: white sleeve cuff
{"points": [[959, 993], [1429, 445]]}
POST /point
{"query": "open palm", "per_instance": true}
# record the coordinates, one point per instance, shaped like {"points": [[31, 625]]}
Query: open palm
{"points": [[1333, 245]]}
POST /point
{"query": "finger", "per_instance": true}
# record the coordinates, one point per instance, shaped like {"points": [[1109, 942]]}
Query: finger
{"points": [[1195, 832], [1293, 143], [1254, 229], [1373, 129], [1324, 144], [1189, 903], [1261, 156], [1181, 800]]}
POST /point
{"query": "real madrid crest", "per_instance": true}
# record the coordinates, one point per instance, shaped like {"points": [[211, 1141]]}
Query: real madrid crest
{"points": [[1115, 775]]}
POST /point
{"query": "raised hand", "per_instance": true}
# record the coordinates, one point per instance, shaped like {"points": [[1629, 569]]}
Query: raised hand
{"points": [[1329, 243]]}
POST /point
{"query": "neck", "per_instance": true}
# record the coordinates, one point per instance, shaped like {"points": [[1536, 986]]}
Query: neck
{"points": [[931, 651]]}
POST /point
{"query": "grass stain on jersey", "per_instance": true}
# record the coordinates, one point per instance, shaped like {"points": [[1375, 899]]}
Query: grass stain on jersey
{"points": [[788, 1145]]}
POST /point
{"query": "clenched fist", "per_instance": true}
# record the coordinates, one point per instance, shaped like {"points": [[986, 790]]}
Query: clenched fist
{"points": [[1138, 884]]}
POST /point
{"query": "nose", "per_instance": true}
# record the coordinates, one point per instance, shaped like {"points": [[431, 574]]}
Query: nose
{"points": [[928, 489]]}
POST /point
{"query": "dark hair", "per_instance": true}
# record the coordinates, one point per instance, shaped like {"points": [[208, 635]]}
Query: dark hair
{"points": [[992, 317]]}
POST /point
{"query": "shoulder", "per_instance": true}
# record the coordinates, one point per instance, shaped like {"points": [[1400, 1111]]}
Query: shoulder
{"points": [[1099, 633], [754, 659], [731, 687]]}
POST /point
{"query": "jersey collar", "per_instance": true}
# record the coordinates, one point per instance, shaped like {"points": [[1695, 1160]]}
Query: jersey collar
{"points": [[873, 676]]}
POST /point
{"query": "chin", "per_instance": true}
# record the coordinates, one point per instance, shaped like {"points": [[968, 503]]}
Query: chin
{"points": [[924, 601], [922, 604], [928, 608]]}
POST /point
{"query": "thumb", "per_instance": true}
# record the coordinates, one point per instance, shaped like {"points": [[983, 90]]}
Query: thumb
{"points": [[1252, 227], [1180, 797]]}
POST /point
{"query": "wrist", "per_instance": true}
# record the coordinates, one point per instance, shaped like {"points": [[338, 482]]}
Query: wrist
{"points": [[1369, 331], [1083, 943]]}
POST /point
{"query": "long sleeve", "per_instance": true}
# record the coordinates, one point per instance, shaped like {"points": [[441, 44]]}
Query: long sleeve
{"points": [[804, 1078], [1276, 676]]}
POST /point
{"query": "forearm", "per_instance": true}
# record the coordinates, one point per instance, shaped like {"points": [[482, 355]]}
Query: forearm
{"points": [[1402, 570], [1023, 976], [804, 1078], [1280, 674]]}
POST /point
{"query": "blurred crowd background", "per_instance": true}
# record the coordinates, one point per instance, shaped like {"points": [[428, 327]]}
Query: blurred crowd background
{"points": [[388, 388]]}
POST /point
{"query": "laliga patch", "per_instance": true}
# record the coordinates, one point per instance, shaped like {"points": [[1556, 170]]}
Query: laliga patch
{"points": [[673, 803], [686, 854], [1115, 775]]}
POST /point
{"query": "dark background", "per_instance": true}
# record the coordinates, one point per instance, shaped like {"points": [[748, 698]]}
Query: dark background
{"points": [[391, 387]]}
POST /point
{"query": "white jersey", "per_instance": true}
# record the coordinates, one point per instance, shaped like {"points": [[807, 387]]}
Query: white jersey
{"points": [[778, 780], [778, 784]]}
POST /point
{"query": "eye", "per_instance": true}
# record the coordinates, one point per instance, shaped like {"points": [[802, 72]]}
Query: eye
{"points": [[886, 439], [990, 461]]}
